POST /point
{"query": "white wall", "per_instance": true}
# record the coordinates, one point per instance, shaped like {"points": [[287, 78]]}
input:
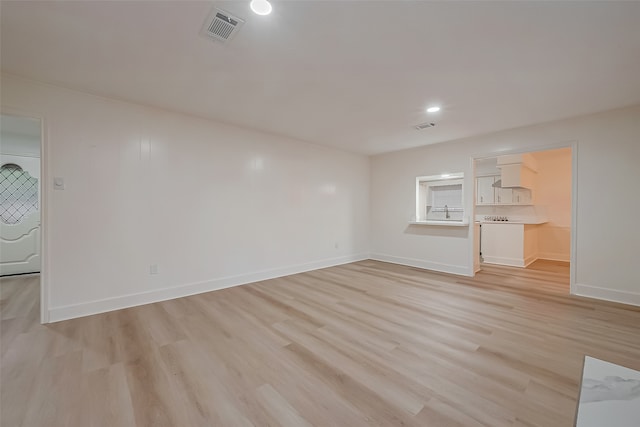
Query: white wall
{"points": [[608, 240], [553, 191], [215, 205], [212, 205], [393, 198]]}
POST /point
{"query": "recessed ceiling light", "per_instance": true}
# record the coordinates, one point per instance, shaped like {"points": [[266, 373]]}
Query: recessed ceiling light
{"points": [[433, 109], [260, 7]]}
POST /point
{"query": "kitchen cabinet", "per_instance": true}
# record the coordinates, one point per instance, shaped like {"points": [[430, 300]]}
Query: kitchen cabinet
{"points": [[522, 196], [517, 175], [487, 194], [504, 196], [509, 243], [526, 159], [517, 170]]}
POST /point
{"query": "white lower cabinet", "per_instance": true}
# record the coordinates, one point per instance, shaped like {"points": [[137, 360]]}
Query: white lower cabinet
{"points": [[509, 243]]}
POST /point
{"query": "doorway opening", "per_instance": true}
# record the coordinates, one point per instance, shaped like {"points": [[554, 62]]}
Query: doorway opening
{"points": [[20, 209], [524, 215]]}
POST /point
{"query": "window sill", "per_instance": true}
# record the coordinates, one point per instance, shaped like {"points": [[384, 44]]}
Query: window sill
{"points": [[463, 223]]}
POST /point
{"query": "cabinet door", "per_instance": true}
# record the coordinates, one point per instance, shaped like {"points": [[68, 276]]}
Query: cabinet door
{"points": [[522, 196], [510, 175], [504, 195], [503, 244], [490, 242], [517, 175], [485, 192]]}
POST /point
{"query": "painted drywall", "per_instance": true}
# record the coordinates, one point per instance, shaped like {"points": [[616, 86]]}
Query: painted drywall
{"points": [[553, 192], [393, 198], [608, 150], [211, 205]]}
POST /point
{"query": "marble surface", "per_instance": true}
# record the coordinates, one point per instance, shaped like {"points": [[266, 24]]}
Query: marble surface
{"points": [[609, 396]]}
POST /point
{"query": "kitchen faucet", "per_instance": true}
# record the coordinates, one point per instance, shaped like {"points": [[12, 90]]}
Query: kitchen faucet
{"points": [[446, 212]]}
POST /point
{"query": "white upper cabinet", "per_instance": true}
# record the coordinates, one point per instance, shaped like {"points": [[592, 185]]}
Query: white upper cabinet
{"points": [[522, 196], [488, 194], [506, 180], [485, 193], [504, 196], [518, 176], [526, 159], [517, 170]]}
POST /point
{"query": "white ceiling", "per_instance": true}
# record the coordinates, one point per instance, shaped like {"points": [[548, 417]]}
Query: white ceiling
{"points": [[350, 74]]}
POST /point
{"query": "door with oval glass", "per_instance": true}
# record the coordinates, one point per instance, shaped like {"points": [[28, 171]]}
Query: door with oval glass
{"points": [[19, 214]]}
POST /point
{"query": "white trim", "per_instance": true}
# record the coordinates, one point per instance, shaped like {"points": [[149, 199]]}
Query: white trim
{"points": [[109, 304], [441, 177], [44, 206], [573, 264], [624, 297], [45, 191], [530, 260], [461, 270], [554, 256], [464, 222], [511, 262], [4, 153], [471, 203], [456, 178]]}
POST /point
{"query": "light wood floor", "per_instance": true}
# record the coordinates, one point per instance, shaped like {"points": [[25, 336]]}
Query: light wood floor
{"points": [[364, 344]]}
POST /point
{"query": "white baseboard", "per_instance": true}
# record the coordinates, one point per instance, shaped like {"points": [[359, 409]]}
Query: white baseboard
{"points": [[513, 262], [57, 314], [530, 260], [461, 270], [625, 297], [553, 256]]}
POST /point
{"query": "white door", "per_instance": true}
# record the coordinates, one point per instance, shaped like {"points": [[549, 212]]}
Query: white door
{"points": [[19, 214]]}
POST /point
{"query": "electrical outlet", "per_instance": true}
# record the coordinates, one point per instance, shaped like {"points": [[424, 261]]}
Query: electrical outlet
{"points": [[153, 269]]}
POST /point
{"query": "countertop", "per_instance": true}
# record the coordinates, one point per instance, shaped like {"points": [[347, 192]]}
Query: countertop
{"points": [[516, 222]]}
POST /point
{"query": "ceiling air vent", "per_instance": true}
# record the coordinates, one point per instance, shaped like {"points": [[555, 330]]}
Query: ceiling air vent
{"points": [[222, 26], [425, 125]]}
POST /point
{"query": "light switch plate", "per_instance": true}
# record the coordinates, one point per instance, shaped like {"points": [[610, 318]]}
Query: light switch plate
{"points": [[58, 183]]}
